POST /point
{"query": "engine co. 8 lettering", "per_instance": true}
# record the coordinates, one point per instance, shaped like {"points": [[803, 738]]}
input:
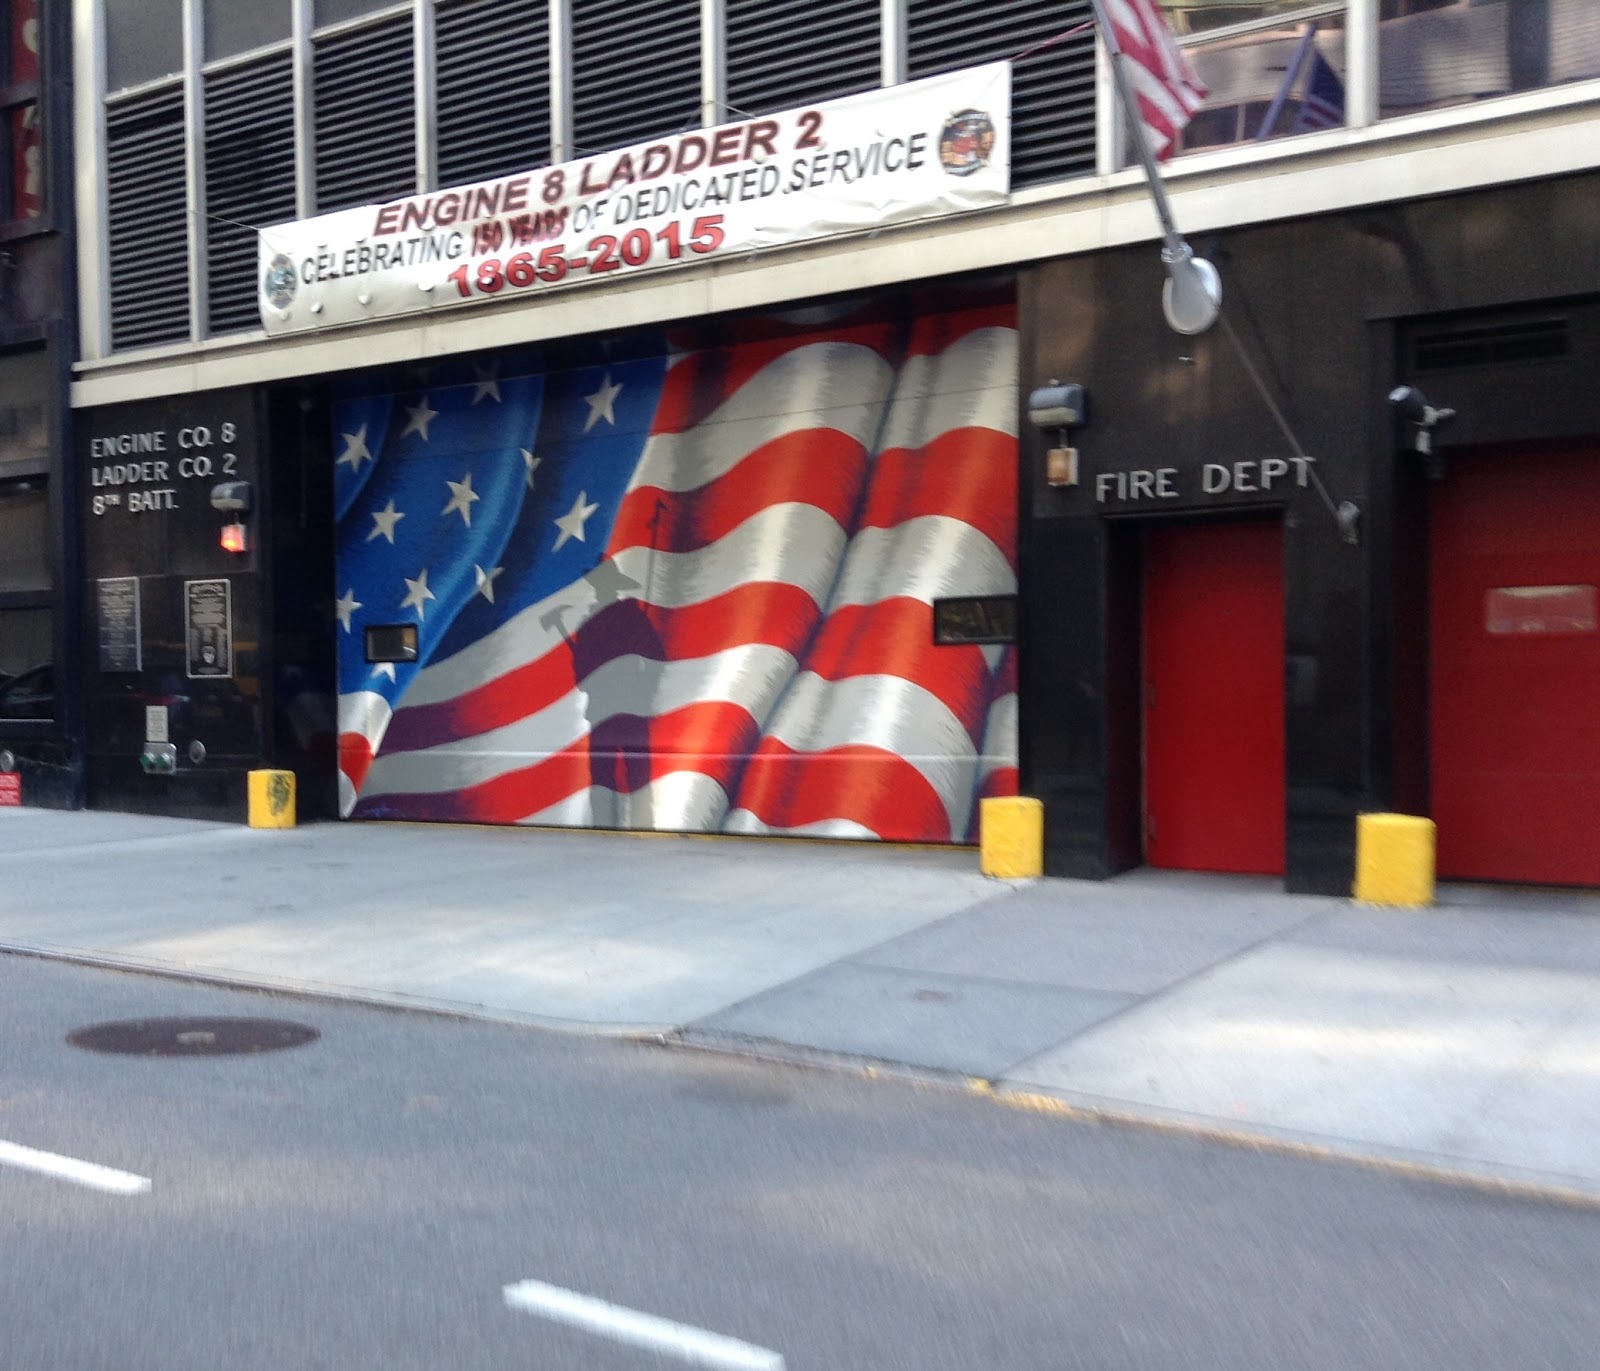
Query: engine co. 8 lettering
{"points": [[602, 253], [195, 452]]}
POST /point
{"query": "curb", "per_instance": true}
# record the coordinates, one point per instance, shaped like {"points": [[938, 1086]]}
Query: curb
{"points": [[1479, 1177]]}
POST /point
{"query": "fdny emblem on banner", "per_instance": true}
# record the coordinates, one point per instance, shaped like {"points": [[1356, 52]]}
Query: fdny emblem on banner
{"points": [[280, 281], [966, 141]]}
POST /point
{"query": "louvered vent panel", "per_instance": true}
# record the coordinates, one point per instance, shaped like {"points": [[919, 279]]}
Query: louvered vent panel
{"points": [[146, 213], [366, 119], [249, 180], [1052, 94], [784, 54], [635, 71], [1528, 340], [493, 88]]}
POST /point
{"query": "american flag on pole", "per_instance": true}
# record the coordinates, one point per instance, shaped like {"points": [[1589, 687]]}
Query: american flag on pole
{"points": [[688, 587], [1164, 83], [1322, 105]]}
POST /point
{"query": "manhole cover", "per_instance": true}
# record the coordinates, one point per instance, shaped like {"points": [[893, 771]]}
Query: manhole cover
{"points": [[192, 1037]]}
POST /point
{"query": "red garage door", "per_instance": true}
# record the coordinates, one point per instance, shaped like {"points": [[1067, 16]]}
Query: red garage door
{"points": [[1213, 701], [1515, 666]]}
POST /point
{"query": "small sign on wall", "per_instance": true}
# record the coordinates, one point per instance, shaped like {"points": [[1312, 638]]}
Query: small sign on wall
{"points": [[1512, 610], [208, 623], [117, 612], [975, 619], [10, 789]]}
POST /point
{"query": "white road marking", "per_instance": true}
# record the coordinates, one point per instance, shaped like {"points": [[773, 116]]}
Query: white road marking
{"points": [[71, 1169], [679, 1340]]}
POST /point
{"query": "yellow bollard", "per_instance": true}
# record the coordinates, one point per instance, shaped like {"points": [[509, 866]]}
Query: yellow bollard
{"points": [[1011, 837], [1394, 859], [272, 799]]}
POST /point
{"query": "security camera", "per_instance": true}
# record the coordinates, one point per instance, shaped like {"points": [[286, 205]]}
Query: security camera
{"points": [[1411, 407], [1057, 406], [231, 497]]}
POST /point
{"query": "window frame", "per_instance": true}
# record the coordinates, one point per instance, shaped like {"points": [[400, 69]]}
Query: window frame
{"points": [[45, 598], [15, 96]]}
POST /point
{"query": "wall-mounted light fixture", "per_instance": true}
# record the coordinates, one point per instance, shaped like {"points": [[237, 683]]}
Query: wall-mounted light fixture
{"points": [[233, 497], [1059, 408], [1412, 409]]}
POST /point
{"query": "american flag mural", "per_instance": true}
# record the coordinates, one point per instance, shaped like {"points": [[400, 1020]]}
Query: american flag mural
{"points": [[687, 586]]}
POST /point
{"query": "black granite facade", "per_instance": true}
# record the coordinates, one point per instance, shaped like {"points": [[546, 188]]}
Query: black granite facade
{"points": [[1332, 312]]}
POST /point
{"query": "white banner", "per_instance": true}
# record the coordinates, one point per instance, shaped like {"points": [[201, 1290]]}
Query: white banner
{"points": [[915, 151]]}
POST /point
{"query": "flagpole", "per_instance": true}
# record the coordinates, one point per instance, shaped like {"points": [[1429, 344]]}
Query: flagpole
{"points": [[1192, 297], [1193, 289], [1130, 112], [1290, 76]]}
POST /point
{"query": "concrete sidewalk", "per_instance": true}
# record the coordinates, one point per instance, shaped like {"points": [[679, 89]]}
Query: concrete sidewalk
{"points": [[1465, 1037]]}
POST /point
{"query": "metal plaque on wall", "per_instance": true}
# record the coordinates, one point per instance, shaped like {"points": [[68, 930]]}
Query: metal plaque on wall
{"points": [[117, 611], [208, 627]]}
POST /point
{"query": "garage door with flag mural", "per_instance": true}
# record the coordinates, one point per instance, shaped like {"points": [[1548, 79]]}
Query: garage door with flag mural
{"points": [[686, 585]]}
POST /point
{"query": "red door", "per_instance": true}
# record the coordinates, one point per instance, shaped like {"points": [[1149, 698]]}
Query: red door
{"points": [[1514, 678], [1213, 697]]}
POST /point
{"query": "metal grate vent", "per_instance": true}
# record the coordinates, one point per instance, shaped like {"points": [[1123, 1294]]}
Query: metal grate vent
{"points": [[365, 115], [635, 71], [783, 54], [1052, 91], [147, 211], [493, 88], [249, 180], [1528, 340]]}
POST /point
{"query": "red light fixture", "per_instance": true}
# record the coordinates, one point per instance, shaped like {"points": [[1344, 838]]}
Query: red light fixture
{"points": [[234, 538]]}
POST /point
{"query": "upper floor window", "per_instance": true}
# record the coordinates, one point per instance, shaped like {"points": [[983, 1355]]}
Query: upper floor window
{"points": [[1272, 69], [1434, 53], [232, 27], [144, 41], [26, 619], [22, 194]]}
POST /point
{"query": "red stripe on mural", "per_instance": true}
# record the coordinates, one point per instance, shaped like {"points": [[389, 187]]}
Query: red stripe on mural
{"points": [[895, 638], [933, 333], [818, 466], [517, 694], [699, 384], [877, 789], [967, 473], [355, 757], [504, 800], [760, 612]]}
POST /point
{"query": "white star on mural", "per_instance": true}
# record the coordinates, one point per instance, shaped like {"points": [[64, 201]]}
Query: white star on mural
{"points": [[346, 606], [487, 383], [571, 523], [461, 497], [532, 463], [384, 669], [383, 522], [421, 417], [486, 580], [355, 451], [601, 402], [418, 594]]}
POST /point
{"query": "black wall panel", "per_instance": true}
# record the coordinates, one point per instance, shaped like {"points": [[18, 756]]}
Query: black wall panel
{"points": [[1329, 311]]}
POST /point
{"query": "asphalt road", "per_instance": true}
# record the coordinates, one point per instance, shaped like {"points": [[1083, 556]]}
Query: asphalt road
{"points": [[364, 1201]]}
